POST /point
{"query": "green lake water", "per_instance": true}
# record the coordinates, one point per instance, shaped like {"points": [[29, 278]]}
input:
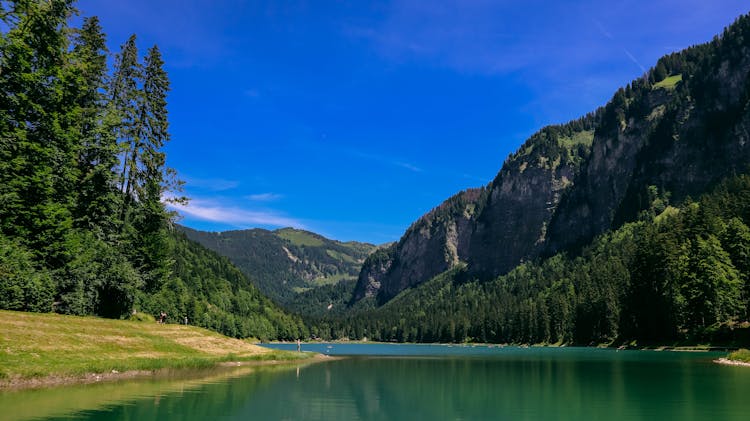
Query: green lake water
{"points": [[414, 382]]}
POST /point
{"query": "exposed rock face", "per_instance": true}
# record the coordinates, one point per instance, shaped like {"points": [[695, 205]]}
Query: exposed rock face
{"points": [[435, 243], [672, 138], [691, 138], [522, 199], [374, 272], [491, 229]]}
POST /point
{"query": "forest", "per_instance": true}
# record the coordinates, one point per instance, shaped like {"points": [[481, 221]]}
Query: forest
{"points": [[85, 227], [84, 186], [676, 275]]}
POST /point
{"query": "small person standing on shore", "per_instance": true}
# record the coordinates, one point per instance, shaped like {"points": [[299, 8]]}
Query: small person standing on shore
{"points": [[299, 345]]}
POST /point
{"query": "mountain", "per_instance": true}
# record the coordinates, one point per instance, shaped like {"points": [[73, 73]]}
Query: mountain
{"points": [[433, 244], [678, 275], [286, 262], [213, 293], [492, 228], [669, 135]]}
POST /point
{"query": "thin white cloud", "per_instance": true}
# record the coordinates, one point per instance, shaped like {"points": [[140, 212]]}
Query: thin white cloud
{"points": [[406, 165], [265, 197], [211, 184], [609, 36], [602, 30], [634, 60], [210, 210], [387, 160]]}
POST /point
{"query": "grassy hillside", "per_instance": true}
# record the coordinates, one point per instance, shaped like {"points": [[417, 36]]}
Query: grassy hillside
{"points": [[287, 262], [41, 345]]}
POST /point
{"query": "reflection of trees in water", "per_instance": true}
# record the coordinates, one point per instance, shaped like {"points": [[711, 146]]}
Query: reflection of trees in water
{"points": [[554, 384]]}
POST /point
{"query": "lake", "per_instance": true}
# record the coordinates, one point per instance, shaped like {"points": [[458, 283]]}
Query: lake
{"points": [[414, 382]]}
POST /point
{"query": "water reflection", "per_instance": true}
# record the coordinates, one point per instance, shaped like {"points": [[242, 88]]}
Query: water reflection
{"points": [[72, 401], [562, 385]]}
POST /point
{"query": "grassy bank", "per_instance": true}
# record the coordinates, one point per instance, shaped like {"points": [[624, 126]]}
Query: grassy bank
{"points": [[52, 348]]}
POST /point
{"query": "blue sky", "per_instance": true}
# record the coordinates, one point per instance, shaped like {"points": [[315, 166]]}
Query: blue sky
{"points": [[352, 119]]}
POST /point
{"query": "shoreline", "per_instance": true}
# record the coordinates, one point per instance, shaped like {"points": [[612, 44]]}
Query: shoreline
{"points": [[56, 380], [727, 361], [672, 348]]}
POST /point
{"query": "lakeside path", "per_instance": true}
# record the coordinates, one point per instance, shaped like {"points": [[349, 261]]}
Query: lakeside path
{"points": [[44, 350]]}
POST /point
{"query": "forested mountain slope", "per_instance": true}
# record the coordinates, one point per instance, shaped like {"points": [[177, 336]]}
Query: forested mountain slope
{"points": [[677, 275], [680, 130], [671, 134], [286, 262]]}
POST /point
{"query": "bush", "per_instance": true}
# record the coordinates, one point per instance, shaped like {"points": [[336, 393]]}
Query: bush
{"points": [[142, 317]]}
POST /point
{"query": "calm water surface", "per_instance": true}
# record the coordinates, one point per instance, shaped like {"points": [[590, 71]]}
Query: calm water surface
{"points": [[413, 382]]}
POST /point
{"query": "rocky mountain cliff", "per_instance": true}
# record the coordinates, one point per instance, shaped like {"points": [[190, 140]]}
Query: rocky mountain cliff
{"points": [[668, 135], [490, 228], [673, 138], [436, 242]]}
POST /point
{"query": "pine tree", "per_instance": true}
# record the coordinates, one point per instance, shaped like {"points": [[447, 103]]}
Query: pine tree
{"points": [[97, 196], [154, 181], [38, 147], [125, 97]]}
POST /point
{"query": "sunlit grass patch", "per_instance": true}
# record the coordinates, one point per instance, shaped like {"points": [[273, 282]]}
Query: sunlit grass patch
{"points": [[669, 83], [37, 345]]}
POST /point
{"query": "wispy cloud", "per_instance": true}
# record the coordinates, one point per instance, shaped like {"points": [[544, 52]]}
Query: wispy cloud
{"points": [[406, 165], [634, 60], [387, 160], [211, 184], [602, 30], [265, 197], [466, 36], [212, 210], [605, 33]]}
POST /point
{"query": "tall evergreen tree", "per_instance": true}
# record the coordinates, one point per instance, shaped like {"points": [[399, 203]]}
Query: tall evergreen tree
{"points": [[37, 145], [97, 198], [149, 184], [125, 97]]}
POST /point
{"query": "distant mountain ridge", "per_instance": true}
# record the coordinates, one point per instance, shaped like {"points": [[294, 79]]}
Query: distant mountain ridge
{"points": [[286, 262]]}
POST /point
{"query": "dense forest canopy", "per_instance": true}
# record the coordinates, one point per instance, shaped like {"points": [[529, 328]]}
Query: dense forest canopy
{"points": [[84, 228], [675, 275]]}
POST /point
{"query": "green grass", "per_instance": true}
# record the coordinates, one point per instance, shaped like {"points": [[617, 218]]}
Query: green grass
{"points": [[742, 355], [299, 237], [342, 257], [333, 279], [585, 138], [669, 83], [36, 345]]}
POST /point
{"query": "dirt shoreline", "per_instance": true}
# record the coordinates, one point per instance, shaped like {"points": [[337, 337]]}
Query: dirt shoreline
{"points": [[727, 361], [55, 380]]}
